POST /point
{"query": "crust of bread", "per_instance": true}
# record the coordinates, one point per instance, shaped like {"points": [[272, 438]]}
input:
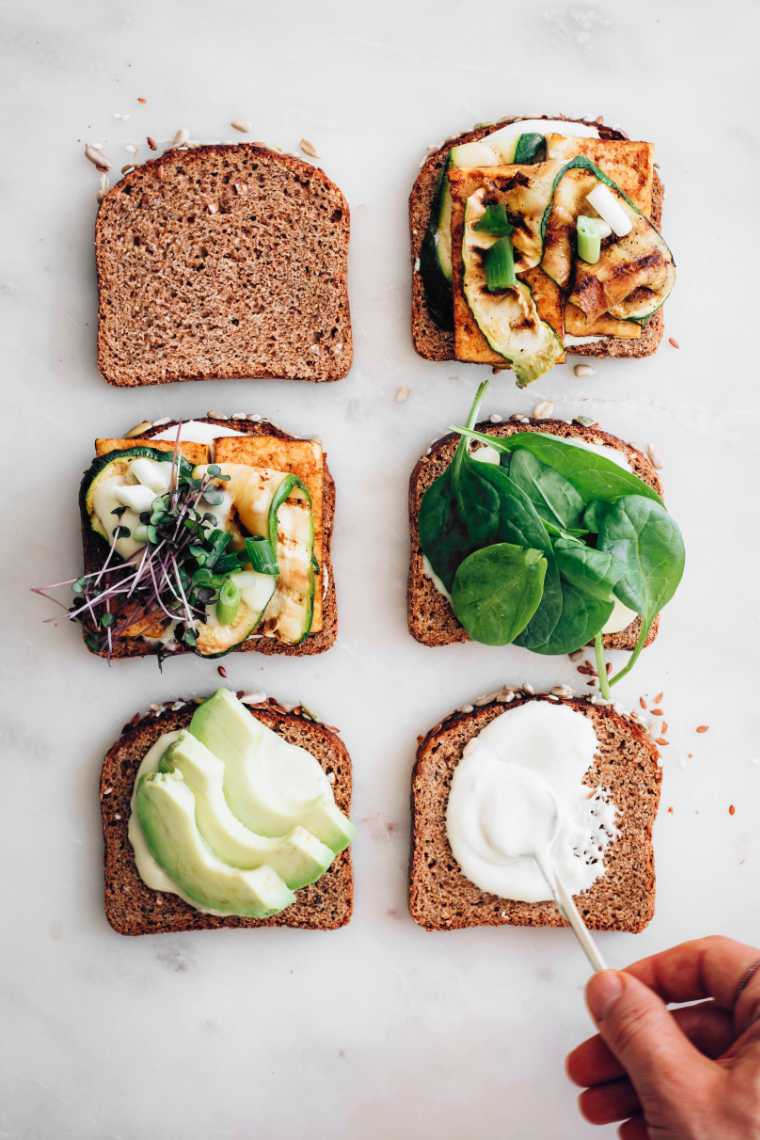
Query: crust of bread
{"points": [[434, 343], [314, 643], [442, 898], [430, 618], [132, 908], [152, 175]]}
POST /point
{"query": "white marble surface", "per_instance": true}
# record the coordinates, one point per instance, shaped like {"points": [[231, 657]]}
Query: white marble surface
{"points": [[380, 1029]]}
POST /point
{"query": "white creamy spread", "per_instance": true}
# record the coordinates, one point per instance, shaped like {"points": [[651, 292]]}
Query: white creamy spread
{"points": [[130, 499], [501, 809], [196, 431]]}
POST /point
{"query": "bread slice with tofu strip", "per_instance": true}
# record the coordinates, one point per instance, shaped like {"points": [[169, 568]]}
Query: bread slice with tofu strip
{"points": [[134, 908], [259, 475], [625, 764], [442, 321], [223, 262], [430, 617]]}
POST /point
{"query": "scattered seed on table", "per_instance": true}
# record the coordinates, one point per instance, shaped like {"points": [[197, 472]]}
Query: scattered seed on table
{"points": [[402, 394], [658, 698], [543, 410], [643, 703], [308, 148], [673, 342], [221, 670], [657, 712], [731, 809], [153, 145], [241, 125], [702, 728], [582, 370], [95, 155]]}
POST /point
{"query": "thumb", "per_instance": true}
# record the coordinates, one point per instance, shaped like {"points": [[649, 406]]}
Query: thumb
{"points": [[640, 1031]]}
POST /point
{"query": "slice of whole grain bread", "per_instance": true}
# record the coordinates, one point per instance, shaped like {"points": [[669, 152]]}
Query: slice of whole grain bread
{"points": [[430, 617], [442, 898], [94, 550], [435, 343], [223, 262], [133, 908]]}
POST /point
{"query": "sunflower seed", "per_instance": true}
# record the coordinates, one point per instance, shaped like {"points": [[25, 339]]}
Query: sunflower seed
{"points": [[241, 125], [402, 394], [181, 137], [104, 187], [94, 155], [308, 148], [543, 410], [582, 370]]}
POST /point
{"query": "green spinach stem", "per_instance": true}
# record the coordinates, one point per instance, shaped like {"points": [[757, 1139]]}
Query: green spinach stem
{"points": [[646, 625], [471, 421], [601, 666]]}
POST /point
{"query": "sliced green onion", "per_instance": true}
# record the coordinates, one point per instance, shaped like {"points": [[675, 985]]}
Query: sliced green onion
{"points": [[530, 148], [500, 266], [589, 239], [228, 604], [495, 221], [261, 555]]}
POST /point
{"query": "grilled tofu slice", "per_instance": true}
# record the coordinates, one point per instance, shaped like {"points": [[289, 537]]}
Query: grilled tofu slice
{"points": [[195, 453]]}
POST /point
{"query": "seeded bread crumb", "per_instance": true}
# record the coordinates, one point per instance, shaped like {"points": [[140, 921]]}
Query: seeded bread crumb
{"points": [[223, 262], [430, 617], [442, 898], [133, 908]]}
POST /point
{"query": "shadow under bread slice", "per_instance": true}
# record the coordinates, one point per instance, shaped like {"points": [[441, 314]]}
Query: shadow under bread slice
{"points": [[292, 612], [625, 765], [430, 617], [133, 908]]}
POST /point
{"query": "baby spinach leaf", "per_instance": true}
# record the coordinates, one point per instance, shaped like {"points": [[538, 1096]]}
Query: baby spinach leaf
{"points": [[593, 572], [543, 623], [478, 500], [581, 618], [444, 538], [641, 535], [444, 533], [593, 515], [497, 590], [556, 500], [593, 476]]}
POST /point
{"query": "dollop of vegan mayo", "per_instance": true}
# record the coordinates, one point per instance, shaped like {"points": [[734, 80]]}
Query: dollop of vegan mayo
{"points": [[522, 773]]}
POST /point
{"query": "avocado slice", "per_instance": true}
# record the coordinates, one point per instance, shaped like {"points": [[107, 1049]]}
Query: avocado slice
{"points": [[270, 784], [216, 638], [298, 857], [508, 319], [166, 809]]}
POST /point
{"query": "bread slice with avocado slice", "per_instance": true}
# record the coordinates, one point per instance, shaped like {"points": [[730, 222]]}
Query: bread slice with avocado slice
{"points": [[133, 908], [430, 617], [431, 309], [300, 617], [626, 764], [223, 262]]}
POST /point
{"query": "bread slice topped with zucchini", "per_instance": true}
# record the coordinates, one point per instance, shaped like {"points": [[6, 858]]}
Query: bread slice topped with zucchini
{"points": [[207, 536], [533, 238], [230, 810], [543, 534]]}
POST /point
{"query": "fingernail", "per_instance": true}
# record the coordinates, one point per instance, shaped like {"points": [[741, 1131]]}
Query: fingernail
{"points": [[602, 992]]}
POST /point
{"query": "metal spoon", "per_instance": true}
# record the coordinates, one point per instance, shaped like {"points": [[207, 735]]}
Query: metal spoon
{"points": [[562, 896]]}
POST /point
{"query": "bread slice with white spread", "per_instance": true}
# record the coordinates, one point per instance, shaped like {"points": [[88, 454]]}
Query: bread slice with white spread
{"points": [[625, 768]]}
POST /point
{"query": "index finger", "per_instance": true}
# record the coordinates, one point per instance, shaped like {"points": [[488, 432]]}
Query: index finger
{"points": [[705, 967]]}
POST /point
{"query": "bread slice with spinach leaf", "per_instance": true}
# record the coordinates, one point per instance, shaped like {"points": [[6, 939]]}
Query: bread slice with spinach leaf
{"points": [[223, 262], [430, 617], [133, 908], [626, 764], [297, 612], [431, 310]]}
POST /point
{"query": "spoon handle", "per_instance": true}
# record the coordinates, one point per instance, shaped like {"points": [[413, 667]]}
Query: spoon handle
{"points": [[580, 930]]}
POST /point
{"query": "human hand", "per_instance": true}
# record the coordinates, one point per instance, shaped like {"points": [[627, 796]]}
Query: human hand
{"points": [[687, 1074]]}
